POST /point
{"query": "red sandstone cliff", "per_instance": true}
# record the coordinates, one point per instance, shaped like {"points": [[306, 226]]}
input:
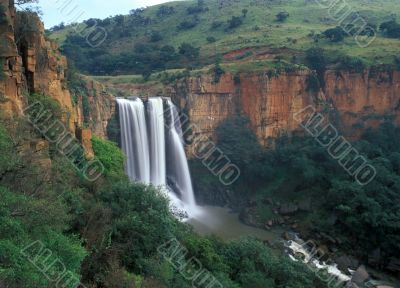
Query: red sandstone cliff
{"points": [[352, 101], [32, 64]]}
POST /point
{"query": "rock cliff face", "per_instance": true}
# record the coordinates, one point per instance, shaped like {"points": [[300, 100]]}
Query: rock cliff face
{"points": [[352, 102], [32, 64]]}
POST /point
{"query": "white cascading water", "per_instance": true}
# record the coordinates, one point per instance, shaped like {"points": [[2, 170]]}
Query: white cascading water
{"points": [[148, 147], [178, 168], [134, 139], [155, 109]]}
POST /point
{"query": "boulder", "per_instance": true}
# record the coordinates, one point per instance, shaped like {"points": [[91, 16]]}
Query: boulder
{"points": [[360, 276], [288, 208], [346, 262]]}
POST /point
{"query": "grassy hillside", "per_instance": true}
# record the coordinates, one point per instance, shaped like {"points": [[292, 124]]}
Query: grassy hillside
{"points": [[207, 25]]}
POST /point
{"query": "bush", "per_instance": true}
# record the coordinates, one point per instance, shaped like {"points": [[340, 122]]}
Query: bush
{"points": [[27, 225], [110, 155], [216, 24], [352, 64], [8, 156], [335, 34], [190, 52], [217, 72], [282, 16], [165, 11], [142, 221], [235, 22], [316, 59], [390, 29], [188, 24], [200, 8], [211, 39], [48, 104]]}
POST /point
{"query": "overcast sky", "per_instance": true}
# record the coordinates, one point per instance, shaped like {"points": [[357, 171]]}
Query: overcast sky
{"points": [[57, 11]]}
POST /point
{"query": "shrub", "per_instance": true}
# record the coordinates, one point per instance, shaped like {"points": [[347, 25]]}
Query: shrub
{"points": [[189, 51], [8, 156], [316, 59], [211, 39], [28, 226], [110, 155], [390, 29], [216, 24], [335, 34], [47, 103], [188, 24], [200, 8], [235, 22], [282, 16], [165, 11], [352, 64], [217, 72]]}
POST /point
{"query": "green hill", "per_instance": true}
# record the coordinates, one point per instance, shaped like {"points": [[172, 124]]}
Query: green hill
{"points": [[151, 39]]}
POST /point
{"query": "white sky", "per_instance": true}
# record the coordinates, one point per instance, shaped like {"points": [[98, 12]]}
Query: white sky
{"points": [[57, 11]]}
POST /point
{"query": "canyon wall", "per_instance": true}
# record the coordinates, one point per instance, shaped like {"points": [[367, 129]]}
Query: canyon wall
{"points": [[30, 63], [351, 101]]}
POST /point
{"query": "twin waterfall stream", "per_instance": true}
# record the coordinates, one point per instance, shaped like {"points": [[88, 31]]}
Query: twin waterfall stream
{"points": [[152, 140]]}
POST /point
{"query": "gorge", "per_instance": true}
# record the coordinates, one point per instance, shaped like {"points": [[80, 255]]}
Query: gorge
{"points": [[238, 75]]}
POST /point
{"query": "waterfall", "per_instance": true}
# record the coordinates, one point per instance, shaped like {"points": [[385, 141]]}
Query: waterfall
{"points": [[178, 168], [155, 114], [155, 151], [134, 139]]}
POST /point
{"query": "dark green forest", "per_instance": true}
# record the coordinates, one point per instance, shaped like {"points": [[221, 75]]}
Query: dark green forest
{"points": [[366, 219]]}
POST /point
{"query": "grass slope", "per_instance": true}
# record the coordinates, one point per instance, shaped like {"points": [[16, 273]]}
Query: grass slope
{"points": [[260, 30]]}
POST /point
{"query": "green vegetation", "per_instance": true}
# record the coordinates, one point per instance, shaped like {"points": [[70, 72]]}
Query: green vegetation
{"points": [[282, 16], [107, 233], [134, 44], [391, 29], [110, 155], [364, 218], [336, 34]]}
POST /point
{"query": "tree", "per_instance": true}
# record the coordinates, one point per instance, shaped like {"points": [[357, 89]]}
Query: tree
{"points": [[190, 52], [244, 12], [316, 59], [156, 36], [282, 16], [335, 34], [165, 11], [390, 29], [188, 24], [235, 22]]}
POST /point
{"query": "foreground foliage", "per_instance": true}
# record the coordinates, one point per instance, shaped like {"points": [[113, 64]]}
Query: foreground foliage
{"points": [[107, 233]]}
